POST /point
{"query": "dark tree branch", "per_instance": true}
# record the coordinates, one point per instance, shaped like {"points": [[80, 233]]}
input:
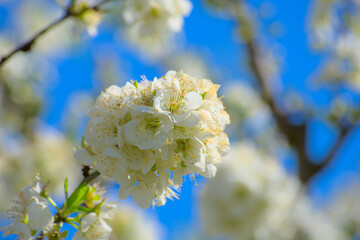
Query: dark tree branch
{"points": [[27, 46], [89, 179], [85, 171]]}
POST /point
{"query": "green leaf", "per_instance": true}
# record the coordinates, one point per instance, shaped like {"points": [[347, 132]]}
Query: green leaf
{"points": [[81, 209], [33, 232], [64, 234], [77, 197], [66, 188]]}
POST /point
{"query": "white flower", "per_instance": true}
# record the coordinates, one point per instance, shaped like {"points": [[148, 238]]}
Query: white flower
{"points": [[30, 212], [250, 117], [126, 222], [343, 206], [148, 135], [250, 198], [148, 130], [93, 227], [342, 47], [90, 17], [21, 230], [313, 224], [48, 153], [150, 23], [39, 215]]}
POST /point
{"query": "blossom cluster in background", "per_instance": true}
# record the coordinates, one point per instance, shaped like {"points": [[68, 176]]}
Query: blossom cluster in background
{"points": [[253, 198], [150, 24]]}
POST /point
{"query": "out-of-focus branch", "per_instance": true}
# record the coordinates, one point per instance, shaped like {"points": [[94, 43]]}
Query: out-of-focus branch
{"points": [[296, 134], [28, 45], [25, 47]]}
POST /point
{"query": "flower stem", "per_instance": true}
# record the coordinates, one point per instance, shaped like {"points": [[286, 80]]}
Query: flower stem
{"points": [[52, 203], [73, 224]]}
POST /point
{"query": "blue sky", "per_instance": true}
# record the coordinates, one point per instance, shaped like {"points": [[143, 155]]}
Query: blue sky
{"points": [[213, 38]]}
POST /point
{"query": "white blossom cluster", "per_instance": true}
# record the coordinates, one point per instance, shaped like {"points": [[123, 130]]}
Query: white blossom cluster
{"points": [[344, 208], [148, 135], [48, 153], [250, 198], [250, 117], [149, 24], [345, 65], [253, 198], [312, 223], [30, 212], [335, 29]]}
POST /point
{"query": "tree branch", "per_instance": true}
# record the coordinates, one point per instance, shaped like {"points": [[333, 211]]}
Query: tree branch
{"points": [[296, 134], [29, 44], [25, 47]]}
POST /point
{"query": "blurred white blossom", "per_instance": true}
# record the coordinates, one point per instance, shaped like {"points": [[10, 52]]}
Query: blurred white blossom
{"points": [[148, 135], [251, 117], [23, 80], [253, 198], [48, 153], [90, 17], [250, 198], [335, 30], [344, 208], [312, 223], [126, 222], [149, 24]]}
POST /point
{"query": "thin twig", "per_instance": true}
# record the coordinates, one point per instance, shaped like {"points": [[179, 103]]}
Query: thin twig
{"points": [[29, 44], [25, 47]]}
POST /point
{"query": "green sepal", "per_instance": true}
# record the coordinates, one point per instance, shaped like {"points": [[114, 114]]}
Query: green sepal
{"points": [[81, 209], [83, 142], [203, 95], [97, 208]]}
